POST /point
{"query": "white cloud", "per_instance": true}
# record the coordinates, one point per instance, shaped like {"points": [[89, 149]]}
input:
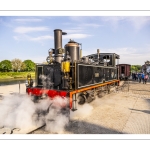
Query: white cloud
{"points": [[21, 37], [24, 37], [138, 22], [46, 37], [121, 51], [23, 30], [113, 20]]}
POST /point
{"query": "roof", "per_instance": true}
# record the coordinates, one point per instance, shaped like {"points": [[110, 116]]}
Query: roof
{"points": [[123, 64]]}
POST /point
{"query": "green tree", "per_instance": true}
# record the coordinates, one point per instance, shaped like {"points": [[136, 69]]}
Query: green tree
{"points": [[5, 65], [135, 68], [138, 67], [30, 65], [16, 64]]}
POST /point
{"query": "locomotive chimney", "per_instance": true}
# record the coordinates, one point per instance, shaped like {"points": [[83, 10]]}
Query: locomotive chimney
{"points": [[58, 44]]}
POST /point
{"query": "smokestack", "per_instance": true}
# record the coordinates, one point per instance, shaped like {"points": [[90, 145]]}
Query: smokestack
{"points": [[58, 44]]}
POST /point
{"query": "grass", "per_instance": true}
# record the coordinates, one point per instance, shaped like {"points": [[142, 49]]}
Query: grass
{"points": [[15, 75]]}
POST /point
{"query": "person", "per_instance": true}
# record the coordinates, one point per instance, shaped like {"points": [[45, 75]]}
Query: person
{"points": [[143, 77], [139, 77], [132, 76], [136, 76], [146, 78]]}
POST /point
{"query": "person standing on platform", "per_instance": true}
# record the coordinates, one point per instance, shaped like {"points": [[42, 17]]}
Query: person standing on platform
{"points": [[146, 78], [139, 77], [143, 77]]}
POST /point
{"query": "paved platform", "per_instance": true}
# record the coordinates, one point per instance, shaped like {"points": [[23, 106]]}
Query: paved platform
{"points": [[16, 88], [122, 112]]}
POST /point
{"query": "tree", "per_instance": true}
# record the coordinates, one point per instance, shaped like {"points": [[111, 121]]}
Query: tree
{"points": [[16, 64], [30, 65], [135, 68], [5, 65], [23, 66]]}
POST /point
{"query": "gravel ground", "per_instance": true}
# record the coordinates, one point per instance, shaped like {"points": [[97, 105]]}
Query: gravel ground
{"points": [[123, 112]]}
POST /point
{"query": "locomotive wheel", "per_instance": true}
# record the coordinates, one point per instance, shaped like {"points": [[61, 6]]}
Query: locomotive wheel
{"points": [[81, 99], [108, 89], [101, 94], [89, 99]]}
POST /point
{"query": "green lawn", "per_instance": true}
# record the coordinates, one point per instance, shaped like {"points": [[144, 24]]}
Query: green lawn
{"points": [[15, 75]]}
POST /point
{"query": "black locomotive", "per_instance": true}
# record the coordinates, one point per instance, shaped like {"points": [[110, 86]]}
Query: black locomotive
{"points": [[68, 74]]}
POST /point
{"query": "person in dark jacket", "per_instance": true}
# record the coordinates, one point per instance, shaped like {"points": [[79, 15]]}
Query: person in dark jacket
{"points": [[134, 76], [139, 77]]}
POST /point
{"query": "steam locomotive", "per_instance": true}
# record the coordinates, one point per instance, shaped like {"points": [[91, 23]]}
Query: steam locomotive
{"points": [[68, 74]]}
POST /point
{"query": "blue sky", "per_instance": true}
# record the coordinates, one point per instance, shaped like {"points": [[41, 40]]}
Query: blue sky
{"points": [[30, 37]]}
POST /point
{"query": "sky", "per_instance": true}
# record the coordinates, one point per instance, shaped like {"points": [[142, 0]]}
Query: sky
{"points": [[30, 37]]}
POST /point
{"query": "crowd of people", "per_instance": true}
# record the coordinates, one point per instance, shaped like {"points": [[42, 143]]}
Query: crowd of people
{"points": [[140, 77]]}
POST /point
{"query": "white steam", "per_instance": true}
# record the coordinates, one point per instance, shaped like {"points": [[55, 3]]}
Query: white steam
{"points": [[20, 112], [46, 81], [82, 111], [16, 112]]}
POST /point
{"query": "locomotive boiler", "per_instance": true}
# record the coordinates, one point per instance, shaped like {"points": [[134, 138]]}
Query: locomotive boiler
{"points": [[68, 74]]}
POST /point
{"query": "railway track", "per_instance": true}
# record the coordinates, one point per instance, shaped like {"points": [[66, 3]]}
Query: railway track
{"points": [[32, 132], [6, 130]]}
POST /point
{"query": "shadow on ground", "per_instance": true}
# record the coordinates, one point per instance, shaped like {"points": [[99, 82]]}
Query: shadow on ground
{"points": [[82, 127], [144, 111], [141, 90]]}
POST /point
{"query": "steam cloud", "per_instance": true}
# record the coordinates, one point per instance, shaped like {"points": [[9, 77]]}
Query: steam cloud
{"points": [[46, 81], [19, 111]]}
